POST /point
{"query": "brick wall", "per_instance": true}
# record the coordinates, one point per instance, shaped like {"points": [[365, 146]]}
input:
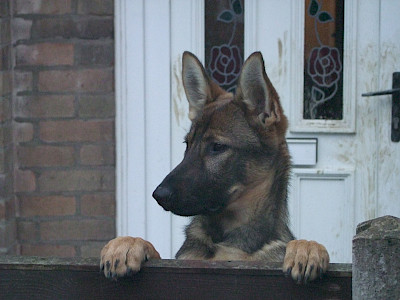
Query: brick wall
{"points": [[63, 121], [7, 203]]}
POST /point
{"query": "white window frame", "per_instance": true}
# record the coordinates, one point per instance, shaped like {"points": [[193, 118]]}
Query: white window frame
{"points": [[348, 123]]}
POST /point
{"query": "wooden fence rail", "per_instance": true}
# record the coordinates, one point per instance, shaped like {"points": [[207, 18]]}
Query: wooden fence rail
{"points": [[24, 277]]}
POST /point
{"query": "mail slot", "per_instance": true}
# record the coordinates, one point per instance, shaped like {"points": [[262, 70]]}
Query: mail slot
{"points": [[303, 151]]}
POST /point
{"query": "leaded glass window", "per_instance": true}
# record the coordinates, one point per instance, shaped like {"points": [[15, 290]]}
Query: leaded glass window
{"points": [[323, 59], [224, 41]]}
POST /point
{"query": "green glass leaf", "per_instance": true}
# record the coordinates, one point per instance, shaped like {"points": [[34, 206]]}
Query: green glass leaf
{"points": [[237, 7], [226, 16], [313, 8], [325, 17]]}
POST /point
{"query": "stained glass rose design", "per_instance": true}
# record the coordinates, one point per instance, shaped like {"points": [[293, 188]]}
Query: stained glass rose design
{"points": [[324, 66], [225, 64]]}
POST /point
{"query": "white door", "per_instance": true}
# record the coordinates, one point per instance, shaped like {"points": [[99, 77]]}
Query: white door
{"points": [[356, 175]]}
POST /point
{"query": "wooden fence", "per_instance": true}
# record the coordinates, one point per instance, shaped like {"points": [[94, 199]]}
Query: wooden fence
{"points": [[24, 277]]}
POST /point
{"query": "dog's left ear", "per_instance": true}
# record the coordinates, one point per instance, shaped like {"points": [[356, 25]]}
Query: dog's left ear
{"points": [[256, 91]]}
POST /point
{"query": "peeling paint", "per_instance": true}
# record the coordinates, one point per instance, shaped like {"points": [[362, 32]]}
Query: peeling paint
{"points": [[178, 92]]}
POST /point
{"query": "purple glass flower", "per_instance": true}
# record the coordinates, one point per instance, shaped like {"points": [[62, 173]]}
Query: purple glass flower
{"points": [[324, 66], [225, 64]]}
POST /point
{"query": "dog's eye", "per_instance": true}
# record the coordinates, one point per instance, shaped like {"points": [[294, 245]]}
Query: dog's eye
{"points": [[216, 148]]}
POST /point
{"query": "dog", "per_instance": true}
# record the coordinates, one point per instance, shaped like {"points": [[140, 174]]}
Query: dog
{"points": [[233, 181]]}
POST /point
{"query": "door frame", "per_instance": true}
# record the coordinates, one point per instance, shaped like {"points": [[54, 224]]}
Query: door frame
{"points": [[137, 141], [143, 126], [143, 114]]}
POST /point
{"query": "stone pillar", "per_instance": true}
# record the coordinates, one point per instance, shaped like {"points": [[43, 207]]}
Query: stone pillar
{"points": [[376, 259]]}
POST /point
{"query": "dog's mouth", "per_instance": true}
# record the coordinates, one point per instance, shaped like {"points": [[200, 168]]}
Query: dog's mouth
{"points": [[187, 210]]}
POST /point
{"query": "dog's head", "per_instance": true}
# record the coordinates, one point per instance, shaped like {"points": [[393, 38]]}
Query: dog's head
{"points": [[232, 140]]}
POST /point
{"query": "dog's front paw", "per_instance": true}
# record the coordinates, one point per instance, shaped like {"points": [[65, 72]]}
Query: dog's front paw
{"points": [[305, 260], [124, 256]]}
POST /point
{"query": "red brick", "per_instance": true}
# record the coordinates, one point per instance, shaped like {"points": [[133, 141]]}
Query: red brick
{"points": [[7, 166], [76, 131], [25, 181], [27, 231], [48, 250], [52, 7], [22, 81], [2, 210], [65, 230], [5, 31], [97, 155], [48, 54], [6, 160], [23, 132], [5, 108], [45, 156], [21, 29], [5, 83], [98, 106], [5, 134], [10, 249], [92, 249], [98, 205], [4, 8], [77, 180], [8, 232], [95, 54], [46, 206], [2, 160], [96, 7], [7, 209], [44, 106], [91, 80], [6, 185], [81, 27], [5, 59]]}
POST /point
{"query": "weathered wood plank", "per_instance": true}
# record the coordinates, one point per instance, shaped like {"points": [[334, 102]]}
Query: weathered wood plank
{"points": [[56, 278]]}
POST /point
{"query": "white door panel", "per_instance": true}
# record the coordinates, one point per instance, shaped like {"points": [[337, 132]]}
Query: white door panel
{"points": [[322, 208], [356, 175]]}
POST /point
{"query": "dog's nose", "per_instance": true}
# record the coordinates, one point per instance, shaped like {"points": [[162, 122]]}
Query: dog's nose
{"points": [[162, 194]]}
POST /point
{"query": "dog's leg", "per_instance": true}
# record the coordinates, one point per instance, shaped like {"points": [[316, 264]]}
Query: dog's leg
{"points": [[125, 255], [305, 260]]}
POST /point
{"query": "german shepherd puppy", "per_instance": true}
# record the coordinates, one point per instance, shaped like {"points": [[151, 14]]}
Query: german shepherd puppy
{"points": [[233, 179]]}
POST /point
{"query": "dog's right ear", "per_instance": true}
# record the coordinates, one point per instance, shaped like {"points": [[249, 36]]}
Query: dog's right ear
{"points": [[255, 90], [196, 84]]}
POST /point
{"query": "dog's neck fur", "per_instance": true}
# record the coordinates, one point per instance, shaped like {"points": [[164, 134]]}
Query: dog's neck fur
{"points": [[246, 202], [239, 213]]}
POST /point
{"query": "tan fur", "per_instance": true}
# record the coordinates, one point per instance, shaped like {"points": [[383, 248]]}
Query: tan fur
{"points": [[300, 254], [246, 204], [125, 255], [239, 204]]}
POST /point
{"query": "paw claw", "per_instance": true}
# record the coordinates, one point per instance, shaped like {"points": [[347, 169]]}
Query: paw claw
{"points": [[122, 255], [116, 263], [288, 272], [321, 274], [308, 259], [306, 279], [299, 278], [300, 268]]}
